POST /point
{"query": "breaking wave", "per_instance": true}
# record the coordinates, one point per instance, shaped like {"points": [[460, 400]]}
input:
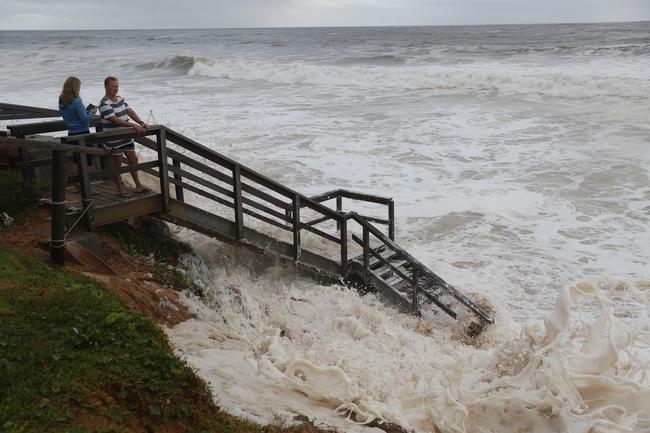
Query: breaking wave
{"points": [[288, 352], [179, 64], [490, 79]]}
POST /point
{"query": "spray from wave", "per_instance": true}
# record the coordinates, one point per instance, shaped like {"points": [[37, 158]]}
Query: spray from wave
{"points": [[274, 348], [389, 74]]}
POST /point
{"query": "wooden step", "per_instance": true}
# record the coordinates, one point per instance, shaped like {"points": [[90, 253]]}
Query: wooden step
{"points": [[374, 261], [394, 280]]}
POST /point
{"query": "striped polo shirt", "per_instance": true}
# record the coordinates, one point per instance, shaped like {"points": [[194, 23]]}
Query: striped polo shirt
{"points": [[108, 109]]}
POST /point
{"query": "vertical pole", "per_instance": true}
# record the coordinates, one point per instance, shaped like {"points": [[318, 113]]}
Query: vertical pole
{"points": [[177, 176], [28, 172], [366, 255], [57, 243], [162, 168], [391, 220], [343, 224], [106, 161], [296, 227], [239, 209], [339, 209], [84, 185], [414, 294]]}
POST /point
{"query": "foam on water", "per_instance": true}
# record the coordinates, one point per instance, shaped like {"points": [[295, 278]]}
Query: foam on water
{"points": [[326, 353]]}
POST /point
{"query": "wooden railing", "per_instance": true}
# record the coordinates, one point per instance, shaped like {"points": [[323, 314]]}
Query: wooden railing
{"points": [[191, 167]]}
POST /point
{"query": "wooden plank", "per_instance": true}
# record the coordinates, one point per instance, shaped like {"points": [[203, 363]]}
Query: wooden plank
{"points": [[51, 144], [365, 243], [129, 208], [113, 134], [178, 190], [107, 174], [162, 169], [391, 220], [296, 227], [86, 196], [14, 111], [25, 129], [343, 230], [239, 211]]}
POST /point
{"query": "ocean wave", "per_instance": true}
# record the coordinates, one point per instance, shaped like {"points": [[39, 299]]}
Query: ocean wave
{"points": [[179, 63], [458, 79], [621, 50], [386, 59]]}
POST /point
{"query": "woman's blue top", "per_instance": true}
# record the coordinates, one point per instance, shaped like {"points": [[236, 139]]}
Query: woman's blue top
{"points": [[75, 115]]}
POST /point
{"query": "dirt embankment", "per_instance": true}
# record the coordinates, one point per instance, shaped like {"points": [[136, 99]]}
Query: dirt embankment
{"points": [[137, 283]]}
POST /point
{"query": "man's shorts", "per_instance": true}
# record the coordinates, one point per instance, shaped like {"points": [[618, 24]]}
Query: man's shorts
{"points": [[119, 149]]}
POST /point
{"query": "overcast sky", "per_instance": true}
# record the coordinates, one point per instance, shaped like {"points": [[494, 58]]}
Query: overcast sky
{"points": [[141, 14]]}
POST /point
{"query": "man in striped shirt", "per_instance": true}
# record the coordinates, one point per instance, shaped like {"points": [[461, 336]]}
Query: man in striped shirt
{"points": [[116, 113]]}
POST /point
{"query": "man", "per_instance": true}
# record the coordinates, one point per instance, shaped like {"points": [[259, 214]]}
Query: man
{"points": [[116, 113]]}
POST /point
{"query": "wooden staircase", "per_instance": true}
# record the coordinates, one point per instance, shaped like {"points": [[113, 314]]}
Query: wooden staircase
{"points": [[212, 194]]}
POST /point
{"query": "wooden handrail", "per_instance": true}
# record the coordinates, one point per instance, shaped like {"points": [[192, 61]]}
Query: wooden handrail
{"points": [[52, 145], [113, 134], [24, 129]]}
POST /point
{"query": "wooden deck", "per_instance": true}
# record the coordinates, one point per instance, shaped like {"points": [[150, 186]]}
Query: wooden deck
{"points": [[104, 193]]}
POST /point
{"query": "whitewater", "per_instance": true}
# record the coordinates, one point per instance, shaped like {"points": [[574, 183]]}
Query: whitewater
{"points": [[518, 160]]}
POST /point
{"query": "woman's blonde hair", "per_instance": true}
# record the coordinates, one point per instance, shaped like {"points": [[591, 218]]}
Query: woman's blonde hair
{"points": [[70, 91]]}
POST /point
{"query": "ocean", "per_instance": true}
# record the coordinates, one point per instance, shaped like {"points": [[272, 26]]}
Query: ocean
{"points": [[519, 160]]}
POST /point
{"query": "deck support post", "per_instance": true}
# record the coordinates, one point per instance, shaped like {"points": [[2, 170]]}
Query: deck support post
{"points": [[28, 172], [162, 165], [414, 294], [366, 255], [339, 208], [84, 186], [57, 242], [391, 220], [343, 224], [296, 227], [239, 209], [177, 176]]}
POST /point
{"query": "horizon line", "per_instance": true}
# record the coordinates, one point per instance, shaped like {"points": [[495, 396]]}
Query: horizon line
{"points": [[330, 27]]}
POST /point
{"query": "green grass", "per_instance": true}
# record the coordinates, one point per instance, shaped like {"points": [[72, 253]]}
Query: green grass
{"points": [[73, 358], [17, 196]]}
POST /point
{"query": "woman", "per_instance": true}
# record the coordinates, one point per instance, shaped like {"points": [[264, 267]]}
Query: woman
{"points": [[75, 115]]}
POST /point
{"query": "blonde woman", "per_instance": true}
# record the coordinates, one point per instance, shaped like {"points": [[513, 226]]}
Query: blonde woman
{"points": [[77, 117]]}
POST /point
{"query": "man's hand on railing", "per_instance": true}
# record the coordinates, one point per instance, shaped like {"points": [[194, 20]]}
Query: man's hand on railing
{"points": [[138, 128]]}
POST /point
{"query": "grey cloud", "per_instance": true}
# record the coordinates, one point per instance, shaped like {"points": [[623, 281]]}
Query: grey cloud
{"points": [[94, 14]]}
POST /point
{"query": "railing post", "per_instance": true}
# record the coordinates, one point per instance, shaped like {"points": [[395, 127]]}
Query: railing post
{"points": [[366, 255], [414, 294], [343, 224], [296, 227], [84, 186], [239, 210], [28, 171], [177, 176], [162, 166], [391, 220], [57, 242], [339, 209]]}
